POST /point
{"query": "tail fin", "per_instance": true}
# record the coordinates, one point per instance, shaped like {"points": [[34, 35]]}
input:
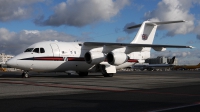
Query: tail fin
{"points": [[171, 61], [147, 31]]}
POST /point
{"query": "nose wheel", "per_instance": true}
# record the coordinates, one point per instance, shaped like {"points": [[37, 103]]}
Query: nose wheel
{"points": [[25, 74]]}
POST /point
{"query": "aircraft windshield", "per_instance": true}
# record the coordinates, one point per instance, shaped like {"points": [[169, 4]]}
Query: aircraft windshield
{"points": [[28, 50], [36, 50]]}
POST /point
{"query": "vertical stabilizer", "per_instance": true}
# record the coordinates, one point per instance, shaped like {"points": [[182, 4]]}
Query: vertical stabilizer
{"points": [[172, 60], [147, 31]]}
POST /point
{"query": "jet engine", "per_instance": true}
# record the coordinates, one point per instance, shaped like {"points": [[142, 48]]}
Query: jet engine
{"points": [[94, 57], [116, 58]]}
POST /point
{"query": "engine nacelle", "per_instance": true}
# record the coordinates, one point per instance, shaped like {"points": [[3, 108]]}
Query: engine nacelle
{"points": [[159, 49], [94, 57], [116, 58]]}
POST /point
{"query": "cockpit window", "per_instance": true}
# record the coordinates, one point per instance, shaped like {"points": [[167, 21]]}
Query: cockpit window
{"points": [[28, 50], [42, 50], [36, 50]]}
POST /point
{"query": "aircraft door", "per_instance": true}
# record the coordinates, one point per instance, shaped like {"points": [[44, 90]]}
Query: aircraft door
{"points": [[35, 54], [55, 50]]}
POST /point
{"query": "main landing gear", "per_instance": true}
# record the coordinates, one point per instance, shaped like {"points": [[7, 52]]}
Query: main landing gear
{"points": [[82, 74], [105, 74], [25, 74]]}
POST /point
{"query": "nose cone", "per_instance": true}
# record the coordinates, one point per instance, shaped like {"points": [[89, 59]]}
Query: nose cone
{"points": [[11, 62]]}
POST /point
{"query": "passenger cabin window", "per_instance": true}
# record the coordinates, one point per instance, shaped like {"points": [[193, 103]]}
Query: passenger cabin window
{"points": [[42, 50], [36, 50], [28, 50]]}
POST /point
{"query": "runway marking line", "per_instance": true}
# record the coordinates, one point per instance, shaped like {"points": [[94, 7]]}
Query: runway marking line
{"points": [[163, 93], [177, 107], [95, 88]]}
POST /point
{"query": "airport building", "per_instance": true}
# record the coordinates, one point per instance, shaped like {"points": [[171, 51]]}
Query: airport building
{"points": [[159, 60], [160, 63], [4, 58]]}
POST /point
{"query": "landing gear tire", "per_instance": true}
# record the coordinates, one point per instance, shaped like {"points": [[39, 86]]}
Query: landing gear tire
{"points": [[82, 74], [25, 75], [108, 74], [105, 74]]}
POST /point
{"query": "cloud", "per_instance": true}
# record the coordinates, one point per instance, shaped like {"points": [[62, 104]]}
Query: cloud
{"points": [[198, 37], [14, 43], [121, 39], [197, 30], [16, 9], [193, 42], [174, 10], [82, 12]]}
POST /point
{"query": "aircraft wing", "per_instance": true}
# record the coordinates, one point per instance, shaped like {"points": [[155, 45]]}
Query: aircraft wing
{"points": [[117, 45]]}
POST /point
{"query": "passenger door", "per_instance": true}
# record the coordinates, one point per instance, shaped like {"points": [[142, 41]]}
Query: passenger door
{"points": [[55, 50]]}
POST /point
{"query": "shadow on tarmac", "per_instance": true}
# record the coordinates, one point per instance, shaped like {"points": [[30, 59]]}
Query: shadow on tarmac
{"points": [[104, 101], [92, 102], [100, 102], [53, 75]]}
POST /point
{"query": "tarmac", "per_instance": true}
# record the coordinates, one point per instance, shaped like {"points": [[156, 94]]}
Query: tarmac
{"points": [[126, 91]]}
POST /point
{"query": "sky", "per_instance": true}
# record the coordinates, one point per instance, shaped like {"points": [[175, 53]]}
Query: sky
{"points": [[25, 22]]}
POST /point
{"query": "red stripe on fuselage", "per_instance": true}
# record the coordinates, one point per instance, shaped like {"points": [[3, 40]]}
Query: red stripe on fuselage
{"points": [[49, 58], [75, 59], [132, 60]]}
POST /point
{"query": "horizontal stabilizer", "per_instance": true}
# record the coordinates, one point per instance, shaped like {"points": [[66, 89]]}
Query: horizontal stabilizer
{"points": [[135, 26], [168, 22], [156, 23]]}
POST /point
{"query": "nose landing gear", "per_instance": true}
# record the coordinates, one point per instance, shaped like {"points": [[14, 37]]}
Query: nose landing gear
{"points": [[25, 74]]}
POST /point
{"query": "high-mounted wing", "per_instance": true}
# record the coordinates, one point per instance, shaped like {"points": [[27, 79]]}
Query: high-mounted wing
{"points": [[128, 48], [98, 44]]}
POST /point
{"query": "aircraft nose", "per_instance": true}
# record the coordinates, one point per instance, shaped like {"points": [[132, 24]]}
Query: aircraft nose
{"points": [[11, 62]]}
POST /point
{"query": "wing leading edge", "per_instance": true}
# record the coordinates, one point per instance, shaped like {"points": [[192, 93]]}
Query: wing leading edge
{"points": [[117, 45]]}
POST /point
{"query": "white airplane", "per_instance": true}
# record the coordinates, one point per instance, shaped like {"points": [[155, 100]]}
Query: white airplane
{"points": [[84, 57], [151, 67]]}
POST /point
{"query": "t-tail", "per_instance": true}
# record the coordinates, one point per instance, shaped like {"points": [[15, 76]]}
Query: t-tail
{"points": [[147, 31], [172, 60]]}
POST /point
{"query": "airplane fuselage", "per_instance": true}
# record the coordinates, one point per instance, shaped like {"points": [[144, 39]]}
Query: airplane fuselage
{"points": [[58, 56]]}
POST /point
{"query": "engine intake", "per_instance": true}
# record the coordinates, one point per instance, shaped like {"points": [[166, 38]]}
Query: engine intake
{"points": [[116, 58], [94, 57]]}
